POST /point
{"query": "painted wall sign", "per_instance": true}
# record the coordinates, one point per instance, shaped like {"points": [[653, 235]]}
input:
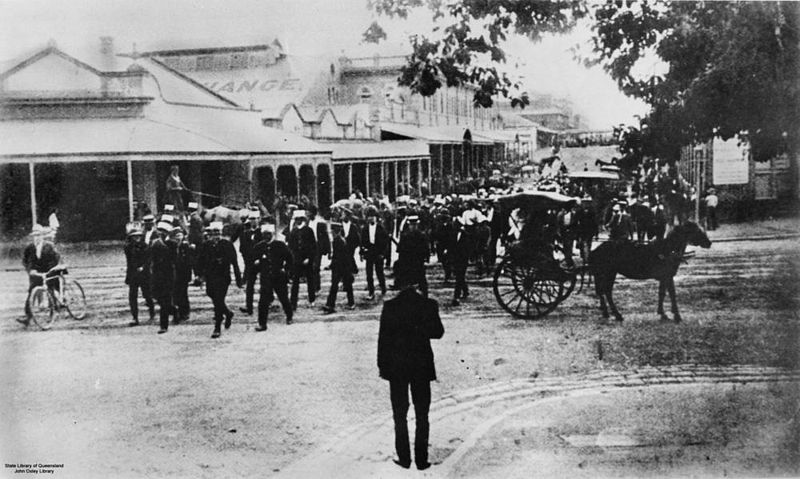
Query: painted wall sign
{"points": [[247, 86], [731, 162]]}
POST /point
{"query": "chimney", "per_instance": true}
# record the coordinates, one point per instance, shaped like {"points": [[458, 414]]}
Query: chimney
{"points": [[108, 61]]}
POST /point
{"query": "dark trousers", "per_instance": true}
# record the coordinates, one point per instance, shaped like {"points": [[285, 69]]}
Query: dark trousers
{"points": [[419, 277], [460, 272], [297, 271], [712, 218], [34, 281], [315, 268], [134, 285], [250, 276], [346, 278], [568, 243], [181, 299], [270, 289], [421, 396], [441, 255], [164, 300], [375, 263], [217, 291]]}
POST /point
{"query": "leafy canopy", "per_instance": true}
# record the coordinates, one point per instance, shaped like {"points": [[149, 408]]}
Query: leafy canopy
{"points": [[731, 68]]}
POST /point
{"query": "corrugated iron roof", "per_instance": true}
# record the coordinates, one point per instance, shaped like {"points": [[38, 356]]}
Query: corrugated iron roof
{"points": [[173, 129], [439, 134]]}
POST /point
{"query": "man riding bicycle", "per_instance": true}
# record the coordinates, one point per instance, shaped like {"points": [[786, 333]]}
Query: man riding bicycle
{"points": [[39, 258]]}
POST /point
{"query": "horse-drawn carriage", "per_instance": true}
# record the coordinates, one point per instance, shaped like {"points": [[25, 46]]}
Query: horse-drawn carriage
{"points": [[535, 274]]}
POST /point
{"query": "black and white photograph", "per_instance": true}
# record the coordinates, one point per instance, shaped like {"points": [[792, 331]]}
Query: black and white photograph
{"points": [[399, 238]]}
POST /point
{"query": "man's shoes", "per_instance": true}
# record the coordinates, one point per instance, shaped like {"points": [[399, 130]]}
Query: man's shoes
{"points": [[228, 318], [371, 296], [423, 465], [133, 323], [328, 310], [404, 465], [215, 334], [162, 330], [351, 307], [289, 320], [455, 303], [246, 311], [260, 328]]}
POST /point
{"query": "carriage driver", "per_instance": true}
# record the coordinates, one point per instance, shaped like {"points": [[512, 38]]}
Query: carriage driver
{"points": [[38, 258]]}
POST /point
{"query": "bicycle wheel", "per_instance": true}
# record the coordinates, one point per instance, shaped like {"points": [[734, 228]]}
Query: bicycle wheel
{"points": [[74, 299], [41, 306]]}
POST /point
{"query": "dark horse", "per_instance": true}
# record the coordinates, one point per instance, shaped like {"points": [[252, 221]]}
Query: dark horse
{"points": [[658, 260]]}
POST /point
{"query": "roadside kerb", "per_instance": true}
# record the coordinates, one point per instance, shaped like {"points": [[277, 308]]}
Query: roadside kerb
{"points": [[365, 450]]}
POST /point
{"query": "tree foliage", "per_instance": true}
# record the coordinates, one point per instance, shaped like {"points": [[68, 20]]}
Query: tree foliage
{"points": [[732, 68]]}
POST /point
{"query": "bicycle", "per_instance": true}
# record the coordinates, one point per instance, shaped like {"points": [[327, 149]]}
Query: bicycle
{"points": [[48, 299]]}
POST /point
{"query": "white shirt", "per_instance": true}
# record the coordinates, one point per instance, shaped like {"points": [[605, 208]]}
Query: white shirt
{"points": [[372, 229], [39, 249], [53, 221], [346, 227]]}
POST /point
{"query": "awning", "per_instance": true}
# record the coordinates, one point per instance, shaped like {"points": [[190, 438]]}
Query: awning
{"points": [[596, 175], [174, 130], [378, 150], [438, 134]]}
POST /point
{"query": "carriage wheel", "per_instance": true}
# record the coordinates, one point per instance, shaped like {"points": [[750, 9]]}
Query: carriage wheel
{"points": [[568, 274], [526, 292]]}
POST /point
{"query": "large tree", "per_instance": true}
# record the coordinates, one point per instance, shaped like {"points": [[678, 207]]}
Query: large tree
{"points": [[732, 68]]}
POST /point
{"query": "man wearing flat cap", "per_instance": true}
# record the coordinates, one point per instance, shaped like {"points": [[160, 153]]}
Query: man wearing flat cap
{"points": [[38, 258], [405, 359], [272, 261]]}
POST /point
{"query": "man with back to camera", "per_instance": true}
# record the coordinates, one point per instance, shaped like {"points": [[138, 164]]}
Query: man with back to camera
{"points": [[405, 359]]}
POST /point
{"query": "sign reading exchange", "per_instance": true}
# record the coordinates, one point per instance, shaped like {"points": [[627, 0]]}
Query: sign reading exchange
{"points": [[246, 86]]}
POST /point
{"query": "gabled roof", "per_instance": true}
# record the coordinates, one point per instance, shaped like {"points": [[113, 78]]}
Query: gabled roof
{"points": [[21, 63], [179, 88]]}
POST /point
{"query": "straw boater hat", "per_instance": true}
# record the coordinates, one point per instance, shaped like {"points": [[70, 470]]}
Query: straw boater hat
{"points": [[164, 226], [167, 219], [149, 218], [169, 208], [254, 215], [268, 228], [299, 215], [192, 205], [215, 226], [132, 229]]}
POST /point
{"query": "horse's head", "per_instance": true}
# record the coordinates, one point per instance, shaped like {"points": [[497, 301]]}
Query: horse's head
{"points": [[695, 235]]}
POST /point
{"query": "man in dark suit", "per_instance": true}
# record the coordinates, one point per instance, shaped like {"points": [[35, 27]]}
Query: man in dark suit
{"points": [[215, 260], [184, 260], [459, 251], [137, 274], [38, 258], [162, 272], [374, 241], [320, 229], [342, 266], [273, 262], [250, 235], [303, 247], [405, 359], [351, 233]]}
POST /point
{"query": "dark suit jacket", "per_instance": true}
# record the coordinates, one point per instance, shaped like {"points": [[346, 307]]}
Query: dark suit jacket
{"points": [[371, 250], [274, 261], [408, 323], [460, 249], [48, 259], [353, 238], [162, 267], [342, 260], [302, 244]]}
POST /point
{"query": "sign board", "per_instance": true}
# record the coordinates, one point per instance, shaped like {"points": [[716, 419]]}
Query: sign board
{"points": [[731, 162]]}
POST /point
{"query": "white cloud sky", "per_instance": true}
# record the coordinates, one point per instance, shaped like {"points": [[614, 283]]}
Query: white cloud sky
{"points": [[306, 27]]}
